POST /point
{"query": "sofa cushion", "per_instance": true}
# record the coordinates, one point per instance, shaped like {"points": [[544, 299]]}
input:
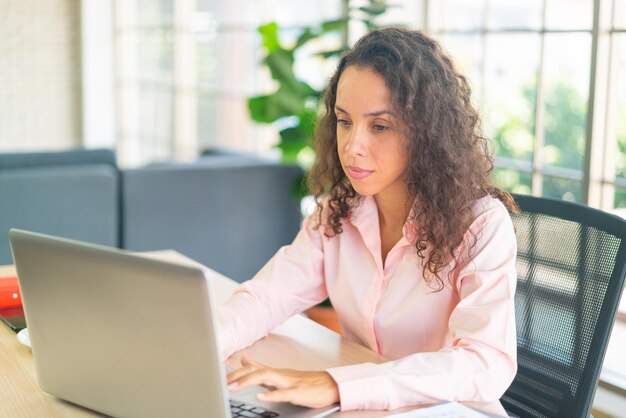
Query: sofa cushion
{"points": [[231, 217]]}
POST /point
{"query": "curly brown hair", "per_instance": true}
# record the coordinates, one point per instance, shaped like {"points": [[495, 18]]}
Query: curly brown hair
{"points": [[449, 159]]}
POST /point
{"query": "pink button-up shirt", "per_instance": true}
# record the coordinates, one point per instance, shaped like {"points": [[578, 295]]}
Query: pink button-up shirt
{"points": [[458, 344]]}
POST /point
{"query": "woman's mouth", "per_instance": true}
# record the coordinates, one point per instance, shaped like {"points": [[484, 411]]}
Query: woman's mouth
{"points": [[357, 173]]}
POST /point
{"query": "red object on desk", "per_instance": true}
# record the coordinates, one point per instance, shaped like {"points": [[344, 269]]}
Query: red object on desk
{"points": [[9, 292]]}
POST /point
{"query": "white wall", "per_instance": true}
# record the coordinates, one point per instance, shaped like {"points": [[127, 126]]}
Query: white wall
{"points": [[40, 79]]}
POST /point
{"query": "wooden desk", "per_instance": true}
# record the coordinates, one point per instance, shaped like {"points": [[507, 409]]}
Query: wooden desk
{"points": [[299, 343]]}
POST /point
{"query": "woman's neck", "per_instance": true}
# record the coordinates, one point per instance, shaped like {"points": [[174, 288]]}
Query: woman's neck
{"points": [[392, 210], [392, 214]]}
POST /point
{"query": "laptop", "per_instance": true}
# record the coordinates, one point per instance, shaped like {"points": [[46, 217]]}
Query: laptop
{"points": [[127, 335]]}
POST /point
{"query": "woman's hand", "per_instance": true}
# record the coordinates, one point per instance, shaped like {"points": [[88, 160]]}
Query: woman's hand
{"points": [[311, 389]]}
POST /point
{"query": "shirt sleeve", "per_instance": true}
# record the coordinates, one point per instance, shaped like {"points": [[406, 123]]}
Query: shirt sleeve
{"points": [[481, 361], [291, 282]]}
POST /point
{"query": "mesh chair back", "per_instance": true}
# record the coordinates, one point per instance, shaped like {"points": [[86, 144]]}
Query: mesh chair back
{"points": [[571, 264]]}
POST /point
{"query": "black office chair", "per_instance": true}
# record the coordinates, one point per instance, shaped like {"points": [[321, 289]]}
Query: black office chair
{"points": [[571, 265]]}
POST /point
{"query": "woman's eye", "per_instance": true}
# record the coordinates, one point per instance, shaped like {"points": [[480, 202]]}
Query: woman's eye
{"points": [[343, 122], [380, 127]]}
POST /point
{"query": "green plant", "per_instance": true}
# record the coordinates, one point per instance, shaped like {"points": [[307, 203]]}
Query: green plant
{"points": [[294, 104]]}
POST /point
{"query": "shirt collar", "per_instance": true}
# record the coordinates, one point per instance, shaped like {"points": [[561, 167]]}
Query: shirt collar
{"points": [[364, 214]]}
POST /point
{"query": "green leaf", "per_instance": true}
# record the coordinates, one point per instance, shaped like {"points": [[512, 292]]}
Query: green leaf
{"points": [[374, 10], [370, 24], [327, 26], [269, 108], [308, 119], [269, 34], [331, 53], [306, 91], [298, 188], [289, 151], [288, 100], [333, 25], [280, 64], [293, 140], [262, 110], [305, 37], [294, 135]]}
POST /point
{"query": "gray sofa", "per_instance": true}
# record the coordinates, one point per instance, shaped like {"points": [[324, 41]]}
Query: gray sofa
{"points": [[226, 210], [73, 194]]}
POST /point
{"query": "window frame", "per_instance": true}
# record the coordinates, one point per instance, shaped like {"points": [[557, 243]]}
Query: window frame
{"points": [[598, 175]]}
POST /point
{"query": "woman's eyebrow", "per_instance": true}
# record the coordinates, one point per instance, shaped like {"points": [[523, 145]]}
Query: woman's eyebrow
{"points": [[340, 109], [379, 113], [375, 113]]}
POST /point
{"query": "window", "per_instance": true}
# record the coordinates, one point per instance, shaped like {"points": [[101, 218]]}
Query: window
{"points": [[549, 78], [530, 63], [144, 44], [185, 69]]}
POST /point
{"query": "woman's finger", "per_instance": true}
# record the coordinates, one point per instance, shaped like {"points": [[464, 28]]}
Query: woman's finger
{"points": [[265, 376], [247, 361], [248, 366], [242, 371]]}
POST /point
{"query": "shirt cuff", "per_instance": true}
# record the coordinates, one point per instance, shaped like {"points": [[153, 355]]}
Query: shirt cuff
{"points": [[361, 386]]}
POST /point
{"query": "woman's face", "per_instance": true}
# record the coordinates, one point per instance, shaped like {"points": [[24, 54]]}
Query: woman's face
{"points": [[370, 142]]}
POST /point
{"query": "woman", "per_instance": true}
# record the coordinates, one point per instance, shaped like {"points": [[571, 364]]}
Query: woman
{"points": [[412, 242]]}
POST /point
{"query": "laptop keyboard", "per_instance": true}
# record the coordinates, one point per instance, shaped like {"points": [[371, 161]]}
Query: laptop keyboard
{"points": [[240, 409]]}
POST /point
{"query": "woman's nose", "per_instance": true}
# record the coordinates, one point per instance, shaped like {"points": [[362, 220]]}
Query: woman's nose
{"points": [[356, 145]]}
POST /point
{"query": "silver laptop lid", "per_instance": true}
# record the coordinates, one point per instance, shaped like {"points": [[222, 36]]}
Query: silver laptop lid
{"points": [[117, 332]]}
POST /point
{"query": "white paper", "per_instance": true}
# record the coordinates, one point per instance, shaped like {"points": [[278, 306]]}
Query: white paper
{"points": [[446, 410]]}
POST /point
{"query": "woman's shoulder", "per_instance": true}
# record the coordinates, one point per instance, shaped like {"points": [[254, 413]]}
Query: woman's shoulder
{"points": [[488, 204], [492, 225], [490, 209], [319, 217]]}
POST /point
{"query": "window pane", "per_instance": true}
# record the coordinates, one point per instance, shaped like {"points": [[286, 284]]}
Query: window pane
{"points": [[509, 104], [207, 121], [155, 56], [206, 63], [305, 12], [457, 15], [154, 13], [221, 122], [561, 188], [565, 90], [515, 14], [619, 90], [512, 181], [155, 111], [229, 62], [569, 14], [155, 124], [620, 201], [407, 12], [467, 52], [619, 17], [236, 12]]}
